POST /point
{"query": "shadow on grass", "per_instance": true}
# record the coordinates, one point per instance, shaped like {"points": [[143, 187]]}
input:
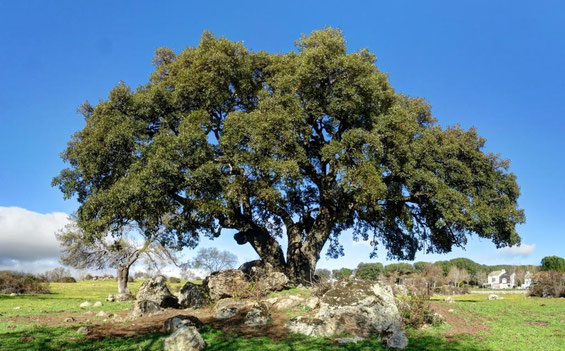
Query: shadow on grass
{"points": [[66, 338], [232, 342]]}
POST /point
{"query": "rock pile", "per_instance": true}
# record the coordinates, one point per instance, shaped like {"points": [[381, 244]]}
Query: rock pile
{"points": [[193, 296], [356, 307], [153, 296]]}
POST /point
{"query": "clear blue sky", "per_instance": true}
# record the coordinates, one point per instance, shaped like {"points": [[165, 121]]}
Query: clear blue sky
{"points": [[495, 65]]}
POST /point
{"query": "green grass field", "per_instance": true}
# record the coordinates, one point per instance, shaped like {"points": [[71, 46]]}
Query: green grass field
{"points": [[474, 323]]}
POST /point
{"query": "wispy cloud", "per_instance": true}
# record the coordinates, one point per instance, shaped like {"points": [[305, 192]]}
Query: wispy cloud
{"points": [[522, 250]]}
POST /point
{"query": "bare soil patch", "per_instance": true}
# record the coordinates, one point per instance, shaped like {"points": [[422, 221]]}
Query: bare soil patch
{"points": [[458, 325]]}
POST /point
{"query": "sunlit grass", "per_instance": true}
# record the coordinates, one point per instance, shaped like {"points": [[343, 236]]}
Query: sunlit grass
{"points": [[517, 322]]}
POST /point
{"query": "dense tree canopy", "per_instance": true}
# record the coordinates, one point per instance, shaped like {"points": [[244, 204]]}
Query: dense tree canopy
{"points": [[301, 145], [553, 263], [399, 268], [369, 271]]}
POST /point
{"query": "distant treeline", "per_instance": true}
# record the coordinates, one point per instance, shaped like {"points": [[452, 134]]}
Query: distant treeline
{"points": [[477, 271]]}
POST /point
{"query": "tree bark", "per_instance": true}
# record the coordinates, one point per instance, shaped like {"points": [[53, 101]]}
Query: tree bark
{"points": [[266, 246], [123, 275], [301, 265], [303, 253]]}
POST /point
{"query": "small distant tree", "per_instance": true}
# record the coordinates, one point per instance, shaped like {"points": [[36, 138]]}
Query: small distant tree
{"points": [[420, 266], [471, 266], [323, 274], [399, 268], [100, 252], [211, 259], [481, 277], [189, 274], [369, 271], [56, 275], [553, 263], [141, 275], [433, 275], [457, 275], [342, 273]]}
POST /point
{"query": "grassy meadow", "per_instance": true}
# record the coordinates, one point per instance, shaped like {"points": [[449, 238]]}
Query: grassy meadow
{"points": [[36, 322]]}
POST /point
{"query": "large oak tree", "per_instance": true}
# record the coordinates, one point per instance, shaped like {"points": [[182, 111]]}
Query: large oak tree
{"points": [[298, 146]]}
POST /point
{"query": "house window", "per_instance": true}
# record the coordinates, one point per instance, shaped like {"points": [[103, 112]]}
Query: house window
{"points": [[493, 279]]}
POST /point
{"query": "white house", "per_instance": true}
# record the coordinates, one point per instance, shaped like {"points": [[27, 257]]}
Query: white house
{"points": [[500, 280], [527, 281]]}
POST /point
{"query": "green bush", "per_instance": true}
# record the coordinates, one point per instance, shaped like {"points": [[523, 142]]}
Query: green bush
{"points": [[416, 311], [174, 280], [369, 271], [21, 283]]}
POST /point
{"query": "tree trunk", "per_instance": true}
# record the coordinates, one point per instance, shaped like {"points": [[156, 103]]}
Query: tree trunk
{"points": [[123, 275], [302, 255], [301, 267], [266, 247]]}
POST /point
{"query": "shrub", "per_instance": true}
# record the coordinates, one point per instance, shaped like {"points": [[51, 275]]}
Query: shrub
{"points": [[320, 288], [342, 274], [56, 275], [174, 280], [67, 280], [451, 290], [416, 311], [548, 284], [21, 283]]}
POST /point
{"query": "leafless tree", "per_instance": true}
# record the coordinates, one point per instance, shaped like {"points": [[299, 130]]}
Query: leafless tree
{"points": [[211, 260], [433, 275], [55, 275], [109, 252], [457, 275], [481, 277]]}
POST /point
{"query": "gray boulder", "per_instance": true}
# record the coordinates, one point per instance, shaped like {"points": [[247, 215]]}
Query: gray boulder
{"points": [[193, 296], [255, 268], [123, 297], [308, 326], [180, 321], [184, 339], [145, 307], [257, 316], [228, 308], [359, 308], [284, 302], [156, 290], [265, 274], [274, 281], [228, 283]]}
